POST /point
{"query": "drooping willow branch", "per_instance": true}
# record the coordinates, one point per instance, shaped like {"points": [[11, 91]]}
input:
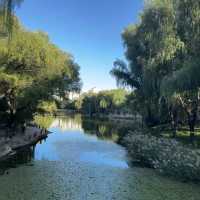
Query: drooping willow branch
{"points": [[7, 8]]}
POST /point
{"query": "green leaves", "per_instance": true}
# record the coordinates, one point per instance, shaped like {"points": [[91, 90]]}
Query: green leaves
{"points": [[162, 52], [151, 47], [34, 70], [103, 102], [8, 20]]}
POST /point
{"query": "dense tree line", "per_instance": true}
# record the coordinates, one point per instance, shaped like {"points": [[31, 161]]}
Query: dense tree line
{"points": [[103, 102], [163, 55], [32, 72]]}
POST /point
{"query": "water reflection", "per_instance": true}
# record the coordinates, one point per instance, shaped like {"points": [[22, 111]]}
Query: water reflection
{"points": [[80, 161], [68, 123], [102, 128], [75, 126], [43, 121], [83, 138]]}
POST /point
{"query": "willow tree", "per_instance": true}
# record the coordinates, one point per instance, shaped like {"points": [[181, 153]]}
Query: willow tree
{"points": [[182, 91], [151, 47], [7, 8], [33, 70], [184, 82]]}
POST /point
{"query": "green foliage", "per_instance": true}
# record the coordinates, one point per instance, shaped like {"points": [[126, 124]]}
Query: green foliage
{"points": [[163, 61], [151, 46], [47, 107], [165, 155], [8, 21], [32, 72], [43, 121], [103, 102]]}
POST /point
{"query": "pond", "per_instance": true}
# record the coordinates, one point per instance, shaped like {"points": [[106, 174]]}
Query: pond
{"points": [[81, 161]]}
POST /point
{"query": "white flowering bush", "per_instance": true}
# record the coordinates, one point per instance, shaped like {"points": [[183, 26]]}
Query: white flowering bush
{"points": [[166, 155]]}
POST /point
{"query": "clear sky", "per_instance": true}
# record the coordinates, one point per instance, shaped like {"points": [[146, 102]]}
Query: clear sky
{"points": [[89, 29]]}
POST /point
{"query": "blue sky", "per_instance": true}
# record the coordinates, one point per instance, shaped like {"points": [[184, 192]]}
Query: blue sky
{"points": [[89, 29]]}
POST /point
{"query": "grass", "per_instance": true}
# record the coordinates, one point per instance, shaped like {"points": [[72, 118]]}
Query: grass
{"points": [[183, 134]]}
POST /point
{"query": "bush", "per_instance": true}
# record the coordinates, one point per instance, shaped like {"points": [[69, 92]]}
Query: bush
{"points": [[166, 155], [43, 121], [47, 107]]}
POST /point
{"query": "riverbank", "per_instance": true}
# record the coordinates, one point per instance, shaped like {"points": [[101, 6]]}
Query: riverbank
{"points": [[110, 116], [167, 156], [10, 145], [72, 164]]}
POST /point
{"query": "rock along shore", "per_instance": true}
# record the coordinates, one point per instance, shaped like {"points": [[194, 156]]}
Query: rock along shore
{"points": [[9, 146]]}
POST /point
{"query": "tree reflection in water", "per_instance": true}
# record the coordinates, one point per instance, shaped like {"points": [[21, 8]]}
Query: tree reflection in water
{"points": [[106, 129], [102, 128]]}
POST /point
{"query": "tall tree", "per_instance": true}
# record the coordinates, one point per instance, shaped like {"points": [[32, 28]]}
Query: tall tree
{"points": [[7, 8], [151, 47], [185, 81], [32, 70]]}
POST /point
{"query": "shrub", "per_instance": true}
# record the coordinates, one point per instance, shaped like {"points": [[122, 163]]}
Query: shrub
{"points": [[47, 107], [166, 155]]}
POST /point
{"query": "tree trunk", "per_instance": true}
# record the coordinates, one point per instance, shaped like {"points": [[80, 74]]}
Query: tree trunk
{"points": [[173, 112], [174, 123], [192, 121], [191, 108]]}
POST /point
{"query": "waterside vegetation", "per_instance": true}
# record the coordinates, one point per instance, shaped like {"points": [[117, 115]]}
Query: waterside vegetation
{"points": [[162, 51], [161, 74], [33, 72]]}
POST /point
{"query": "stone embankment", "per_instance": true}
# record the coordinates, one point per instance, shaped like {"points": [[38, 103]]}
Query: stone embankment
{"points": [[9, 145]]}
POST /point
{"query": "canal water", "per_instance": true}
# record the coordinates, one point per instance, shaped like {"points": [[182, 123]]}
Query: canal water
{"points": [[81, 161]]}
